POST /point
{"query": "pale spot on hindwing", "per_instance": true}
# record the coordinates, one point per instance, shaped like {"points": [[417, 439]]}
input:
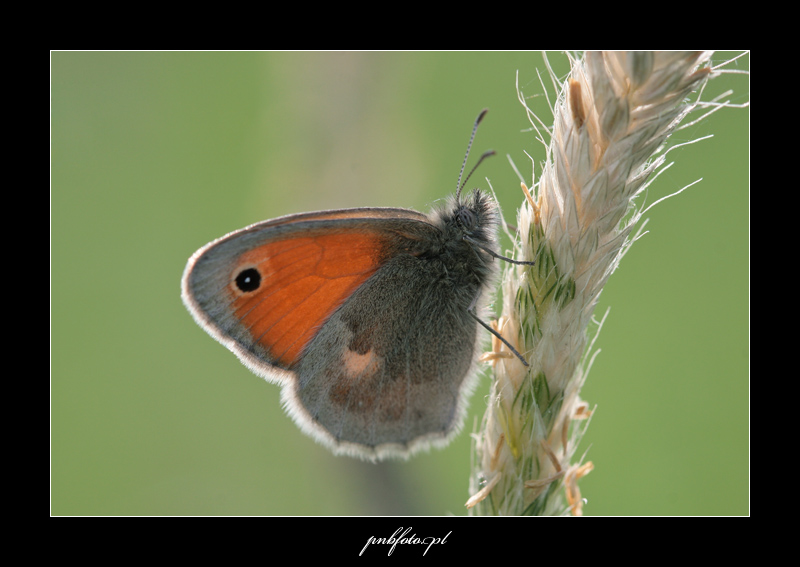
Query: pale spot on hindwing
{"points": [[356, 365], [358, 383]]}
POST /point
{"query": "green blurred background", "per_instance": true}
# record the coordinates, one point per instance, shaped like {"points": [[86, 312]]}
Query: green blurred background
{"points": [[155, 154]]}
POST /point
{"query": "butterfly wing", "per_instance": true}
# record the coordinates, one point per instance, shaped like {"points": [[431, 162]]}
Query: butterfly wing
{"points": [[263, 291], [340, 308], [388, 374]]}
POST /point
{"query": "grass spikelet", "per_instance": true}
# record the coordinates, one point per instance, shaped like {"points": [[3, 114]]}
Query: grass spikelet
{"points": [[612, 119]]}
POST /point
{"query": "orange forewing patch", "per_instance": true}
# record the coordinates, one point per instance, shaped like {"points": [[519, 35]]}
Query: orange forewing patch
{"points": [[304, 280]]}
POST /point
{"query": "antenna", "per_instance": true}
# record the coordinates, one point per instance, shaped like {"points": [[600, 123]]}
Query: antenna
{"points": [[460, 185]]}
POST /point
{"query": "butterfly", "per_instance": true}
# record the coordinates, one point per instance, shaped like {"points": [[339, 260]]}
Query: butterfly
{"points": [[366, 317]]}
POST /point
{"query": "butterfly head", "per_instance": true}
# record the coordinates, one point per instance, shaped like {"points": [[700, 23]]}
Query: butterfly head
{"points": [[473, 217]]}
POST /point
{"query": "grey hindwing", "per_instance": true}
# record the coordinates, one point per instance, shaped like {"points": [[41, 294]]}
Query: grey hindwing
{"points": [[388, 365]]}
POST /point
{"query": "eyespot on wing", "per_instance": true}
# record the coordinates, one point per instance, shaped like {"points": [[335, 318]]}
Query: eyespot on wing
{"points": [[264, 291]]}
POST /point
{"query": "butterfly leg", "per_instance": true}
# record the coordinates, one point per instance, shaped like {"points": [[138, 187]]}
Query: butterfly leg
{"points": [[471, 312], [496, 255]]}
